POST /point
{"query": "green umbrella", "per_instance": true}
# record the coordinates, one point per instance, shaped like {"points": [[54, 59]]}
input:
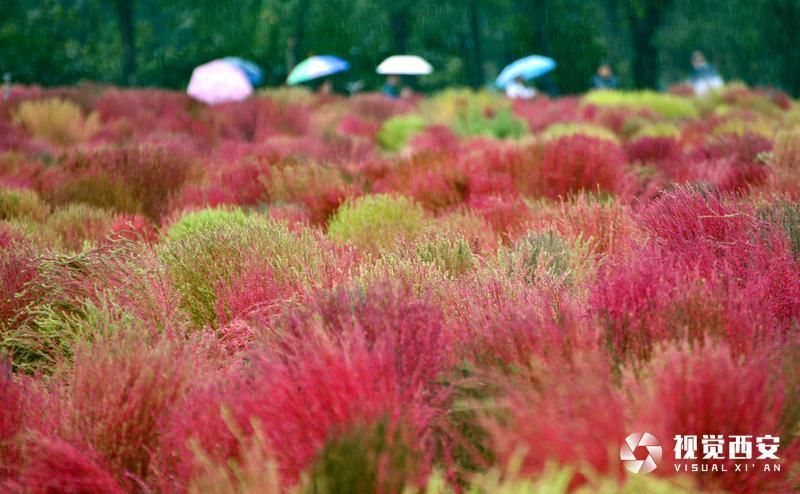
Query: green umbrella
{"points": [[316, 67]]}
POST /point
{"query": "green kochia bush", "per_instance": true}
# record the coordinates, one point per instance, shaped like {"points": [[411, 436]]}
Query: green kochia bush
{"points": [[500, 123], [203, 220], [377, 222], [208, 248], [567, 129], [396, 131], [666, 105], [364, 460], [23, 204], [72, 298], [452, 256]]}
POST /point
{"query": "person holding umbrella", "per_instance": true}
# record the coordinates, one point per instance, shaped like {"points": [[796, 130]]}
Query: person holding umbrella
{"points": [[316, 67], [512, 78], [517, 89], [704, 77], [401, 65], [392, 87]]}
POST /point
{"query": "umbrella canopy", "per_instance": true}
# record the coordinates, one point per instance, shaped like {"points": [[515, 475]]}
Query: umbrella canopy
{"points": [[219, 82], [316, 67], [528, 68], [253, 72], [405, 65]]}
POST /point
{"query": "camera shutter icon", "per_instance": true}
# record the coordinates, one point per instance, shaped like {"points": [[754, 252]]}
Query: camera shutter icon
{"points": [[640, 453]]}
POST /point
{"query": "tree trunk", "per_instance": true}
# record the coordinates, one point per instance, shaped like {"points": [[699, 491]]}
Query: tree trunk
{"points": [[126, 17], [476, 59], [644, 26], [400, 25], [786, 36], [297, 41]]}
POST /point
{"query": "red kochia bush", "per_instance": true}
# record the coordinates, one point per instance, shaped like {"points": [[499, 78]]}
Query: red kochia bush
{"points": [[579, 163], [654, 150], [508, 215], [708, 271], [504, 332], [343, 360], [300, 403], [377, 107], [138, 113], [133, 227], [258, 118], [541, 113], [252, 295], [54, 465], [570, 414], [741, 154], [131, 179], [120, 391], [356, 126], [386, 316], [436, 138], [433, 179], [17, 267], [708, 391], [12, 419]]}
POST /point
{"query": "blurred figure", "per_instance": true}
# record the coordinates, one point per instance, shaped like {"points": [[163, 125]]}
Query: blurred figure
{"points": [[326, 88], [354, 87], [704, 77], [392, 87], [605, 78], [517, 89], [6, 86]]}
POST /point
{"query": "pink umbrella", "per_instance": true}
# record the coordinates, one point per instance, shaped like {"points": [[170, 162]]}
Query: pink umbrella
{"points": [[217, 82]]}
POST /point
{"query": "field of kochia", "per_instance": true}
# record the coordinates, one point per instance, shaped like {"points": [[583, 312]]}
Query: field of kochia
{"points": [[445, 294]]}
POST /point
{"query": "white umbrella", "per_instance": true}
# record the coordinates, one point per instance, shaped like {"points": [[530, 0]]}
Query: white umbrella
{"points": [[405, 65], [218, 82]]}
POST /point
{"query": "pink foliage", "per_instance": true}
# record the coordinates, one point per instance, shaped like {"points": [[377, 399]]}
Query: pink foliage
{"points": [[55, 466], [508, 215], [569, 415], [707, 391], [540, 113], [575, 163], [648, 150], [133, 227]]}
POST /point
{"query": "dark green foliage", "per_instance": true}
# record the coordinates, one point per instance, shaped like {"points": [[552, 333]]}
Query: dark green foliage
{"points": [[365, 460], [145, 42]]}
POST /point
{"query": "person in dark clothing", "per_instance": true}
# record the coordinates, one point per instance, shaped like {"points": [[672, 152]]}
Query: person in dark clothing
{"points": [[392, 87], [605, 78]]}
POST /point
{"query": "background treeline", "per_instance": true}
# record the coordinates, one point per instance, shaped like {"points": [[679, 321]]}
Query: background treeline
{"points": [[154, 42]]}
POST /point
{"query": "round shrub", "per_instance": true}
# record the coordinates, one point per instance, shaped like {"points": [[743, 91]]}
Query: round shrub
{"points": [[377, 222], [206, 250], [396, 131], [666, 105], [80, 223], [205, 219], [569, 129], [56, 120], [23, 204]]}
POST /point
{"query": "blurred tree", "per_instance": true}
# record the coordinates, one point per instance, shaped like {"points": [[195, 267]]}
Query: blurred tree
{"points": [[644, 18], [783, 40], [151, 42], [126, 31]]}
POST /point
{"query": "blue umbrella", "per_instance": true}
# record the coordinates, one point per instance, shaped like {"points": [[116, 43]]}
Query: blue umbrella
{"points": [[528, 68], [253, 72], [316, 67]]}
